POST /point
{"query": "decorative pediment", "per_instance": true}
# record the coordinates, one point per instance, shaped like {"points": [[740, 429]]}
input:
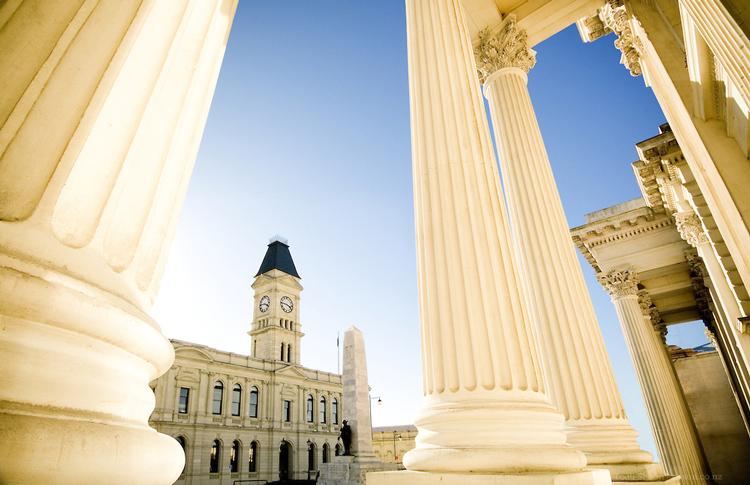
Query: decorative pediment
{"points": [[187, 374], [291, 371], [192, 353], [288, 390]]}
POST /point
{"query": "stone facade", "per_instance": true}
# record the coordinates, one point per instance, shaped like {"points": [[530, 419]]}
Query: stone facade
{"points": [[390, 443], [233, 413]]}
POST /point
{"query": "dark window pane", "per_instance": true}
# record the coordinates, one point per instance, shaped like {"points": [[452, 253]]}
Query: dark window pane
{"points": [[182, 407], [254, 403], [218, 397]]}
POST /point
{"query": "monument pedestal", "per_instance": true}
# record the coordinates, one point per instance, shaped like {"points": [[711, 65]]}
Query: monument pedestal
{"points": [[352, 470], [586, 477]]}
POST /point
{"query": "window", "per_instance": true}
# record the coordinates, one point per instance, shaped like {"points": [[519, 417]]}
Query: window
{"points": [[183, 444], [213, 463], [253, 412], [282, 352], [236, 399], [252, 456], [337, 449], [322, 409], [325, 453], [234, 455], [309, 415], [335, 411], [289, 352], [287, 414], [218, 397], [310, 455], [182, 406]]}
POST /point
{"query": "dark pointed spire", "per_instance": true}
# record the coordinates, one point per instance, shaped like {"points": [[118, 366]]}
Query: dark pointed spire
{"points": [[278, 257]]}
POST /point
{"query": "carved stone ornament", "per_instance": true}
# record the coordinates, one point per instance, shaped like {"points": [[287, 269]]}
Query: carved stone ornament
{"points": [[503, 46], [615, 18], [619, 283], [690, 228]]}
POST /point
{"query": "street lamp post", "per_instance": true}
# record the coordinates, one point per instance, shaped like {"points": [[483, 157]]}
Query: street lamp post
{"points": [[396, 434]]}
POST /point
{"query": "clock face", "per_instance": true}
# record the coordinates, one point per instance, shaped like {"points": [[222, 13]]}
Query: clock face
{"points": [[265, 302], [286, 304]]}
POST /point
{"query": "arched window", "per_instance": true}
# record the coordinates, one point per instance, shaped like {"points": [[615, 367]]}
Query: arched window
{"points": [[183, 444], [282, 352], [337, 449], [310, 402], [218, 397], [335, 411], [252, 457], [289, 352], [311, 456], [322, 410], [253, 411], [234, 457], [236, 399], [281, 322], [213, 463], [325, 453]]}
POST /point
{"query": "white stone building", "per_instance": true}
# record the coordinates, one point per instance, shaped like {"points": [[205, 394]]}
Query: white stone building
{"points": [[661, 255], [102, 106], [261, 416]]}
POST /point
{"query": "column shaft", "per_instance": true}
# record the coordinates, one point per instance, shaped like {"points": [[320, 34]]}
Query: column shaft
{"points": [[670, 418], [577, 368], [486, 408], [101, 112]]}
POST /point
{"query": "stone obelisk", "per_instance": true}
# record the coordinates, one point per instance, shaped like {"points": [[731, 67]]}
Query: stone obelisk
{"points": [[357, 394], [351, 470]]}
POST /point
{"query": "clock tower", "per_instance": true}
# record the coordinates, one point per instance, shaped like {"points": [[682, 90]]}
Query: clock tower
{"points": [[276, 331]]}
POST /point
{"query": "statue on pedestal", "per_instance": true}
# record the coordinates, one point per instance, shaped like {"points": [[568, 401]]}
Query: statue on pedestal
{"points": [[346, 438]]}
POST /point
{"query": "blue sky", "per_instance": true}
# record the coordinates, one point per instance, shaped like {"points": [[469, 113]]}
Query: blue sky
{"points": [[308, 137]]}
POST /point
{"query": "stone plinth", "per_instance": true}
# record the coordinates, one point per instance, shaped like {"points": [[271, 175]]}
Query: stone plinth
{"points": [[351, 470], [591, 477]]}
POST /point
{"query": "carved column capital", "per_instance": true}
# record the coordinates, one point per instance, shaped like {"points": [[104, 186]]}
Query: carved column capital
{"points": [[503, 46], [619, 283], [690, 228], [615, 18], [701, 292], [650, 312]]}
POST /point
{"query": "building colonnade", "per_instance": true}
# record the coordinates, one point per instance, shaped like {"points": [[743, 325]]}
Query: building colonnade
{"points": [[120, 92]]}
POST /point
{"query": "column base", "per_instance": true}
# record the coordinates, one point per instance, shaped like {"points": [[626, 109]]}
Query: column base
{"points": [[587, 477], [71, 449], [494, 437], [637, 473]]}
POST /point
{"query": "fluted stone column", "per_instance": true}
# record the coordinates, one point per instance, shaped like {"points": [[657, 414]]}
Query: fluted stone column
{"points": [[102, 105], [578, 371], [734, 345], [670, 419], [486, 410]]}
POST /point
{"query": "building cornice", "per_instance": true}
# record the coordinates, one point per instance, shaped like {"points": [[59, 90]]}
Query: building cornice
{"points": [[617, 228]]}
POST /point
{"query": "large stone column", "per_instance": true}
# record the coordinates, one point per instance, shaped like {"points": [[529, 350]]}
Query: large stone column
{"points": [[486, 410], [102, 105], [577, 368], [670, 419], [734, 345]]}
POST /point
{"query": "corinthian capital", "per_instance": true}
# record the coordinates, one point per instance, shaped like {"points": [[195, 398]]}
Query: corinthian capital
{"points": [[619, 282], [690, 228], [503, 46], [615, 18]]}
